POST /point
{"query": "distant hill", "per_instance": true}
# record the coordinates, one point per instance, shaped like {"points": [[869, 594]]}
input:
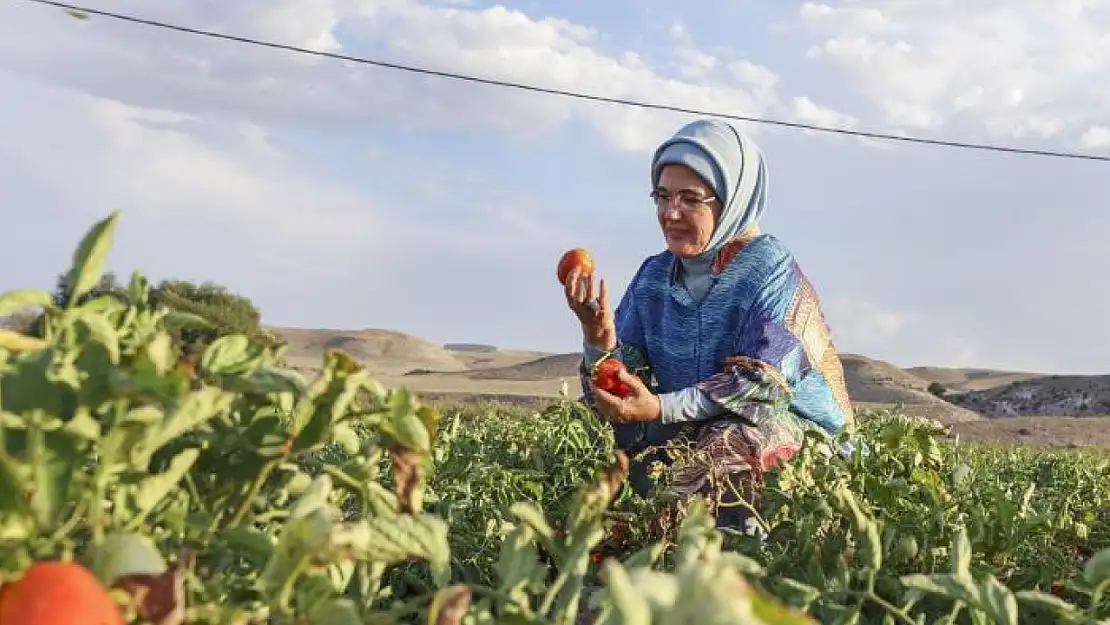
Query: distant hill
{"points": [[969, 379], [479, 370], [557, 366], [469, 347], [873, 381], [1052, 395], [381, 351]]}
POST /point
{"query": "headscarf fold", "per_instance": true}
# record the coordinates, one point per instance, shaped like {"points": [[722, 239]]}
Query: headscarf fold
{"points": [[731, 163]]}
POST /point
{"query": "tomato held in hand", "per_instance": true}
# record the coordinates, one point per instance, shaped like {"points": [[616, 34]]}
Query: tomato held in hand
{"points": [[577, 257], [607, 378], [58, 593]]}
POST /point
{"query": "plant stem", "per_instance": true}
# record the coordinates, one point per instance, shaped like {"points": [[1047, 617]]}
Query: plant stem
{"points": [[256, 486], [892, 609]]}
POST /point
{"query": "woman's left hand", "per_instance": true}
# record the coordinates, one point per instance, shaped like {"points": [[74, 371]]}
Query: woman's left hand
{"points": [[641, 405]]}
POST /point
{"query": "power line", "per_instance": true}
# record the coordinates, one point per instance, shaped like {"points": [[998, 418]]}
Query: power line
{"points": [[84, 12]]}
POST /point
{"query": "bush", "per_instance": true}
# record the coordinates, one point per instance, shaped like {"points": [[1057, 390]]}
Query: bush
{"points": [[938, 389], [225, 313]]}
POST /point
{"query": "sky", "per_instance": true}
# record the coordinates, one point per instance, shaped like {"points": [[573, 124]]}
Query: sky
{"points": [[339, 195]]}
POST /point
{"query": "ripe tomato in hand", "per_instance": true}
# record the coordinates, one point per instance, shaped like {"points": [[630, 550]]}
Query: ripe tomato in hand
{"points": [[607, 378], [58, 593], [577, 257]]}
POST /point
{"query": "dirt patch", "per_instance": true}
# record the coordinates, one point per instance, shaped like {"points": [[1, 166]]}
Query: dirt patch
{"points": [[549, 367], [1049, 432]]}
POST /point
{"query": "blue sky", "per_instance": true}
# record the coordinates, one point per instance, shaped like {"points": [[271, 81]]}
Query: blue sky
{"points": [[345, 196]]}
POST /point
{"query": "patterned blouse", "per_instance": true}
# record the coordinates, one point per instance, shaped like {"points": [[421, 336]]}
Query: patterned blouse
{"points": [[756, 348]]}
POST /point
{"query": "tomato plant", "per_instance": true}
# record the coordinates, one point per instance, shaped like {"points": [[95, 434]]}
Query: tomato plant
{"points": [[576, 258]]}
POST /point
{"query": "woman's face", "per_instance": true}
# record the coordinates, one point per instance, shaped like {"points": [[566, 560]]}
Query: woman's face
{"points": [[687, 210]]}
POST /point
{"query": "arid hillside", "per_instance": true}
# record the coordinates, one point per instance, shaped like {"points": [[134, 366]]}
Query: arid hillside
{"points": [[978, 403], [1053, 395]]}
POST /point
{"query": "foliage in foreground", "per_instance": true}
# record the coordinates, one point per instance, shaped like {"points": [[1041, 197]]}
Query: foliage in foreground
{"points": [[234, 492]]}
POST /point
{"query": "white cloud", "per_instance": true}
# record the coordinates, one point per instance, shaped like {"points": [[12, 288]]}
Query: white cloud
{"points": [[1096, 137], [97, 155], [862, 326], [187, 73], [758, 77], [1018, 69], [806, 110]]}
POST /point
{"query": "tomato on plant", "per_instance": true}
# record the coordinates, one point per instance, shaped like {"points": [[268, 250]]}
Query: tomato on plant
{"points": [[607, 378], [58, 593], [577, 257]]}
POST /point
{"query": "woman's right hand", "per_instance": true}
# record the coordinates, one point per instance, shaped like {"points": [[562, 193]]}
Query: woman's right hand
{"points": [[591, 306]]}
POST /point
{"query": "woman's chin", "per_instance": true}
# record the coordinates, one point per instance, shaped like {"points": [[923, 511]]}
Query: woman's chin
{"points": [[682, 249]]}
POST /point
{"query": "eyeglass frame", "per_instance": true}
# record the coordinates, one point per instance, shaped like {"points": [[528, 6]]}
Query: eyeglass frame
{"points": [[686, 204]]}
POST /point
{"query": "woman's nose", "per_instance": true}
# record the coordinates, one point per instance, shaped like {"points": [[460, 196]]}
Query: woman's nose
{"points": [[671, 212]]}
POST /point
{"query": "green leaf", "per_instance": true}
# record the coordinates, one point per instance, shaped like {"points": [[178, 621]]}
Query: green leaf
{"points": [[961, 554], [530, 515], [423, 536], [649, 555], [152, 490], [1045, 601], [335, 611], [629, 603], [998, 601], [267, 380], [100, 331], [518, 563], [15, 342], [12, 497], [315, 432], [929, 584], [55, 464], [251, 544], [122, 554], [197, 408], [850, 617], [771, 612], [187, 319], [90, 257], [1097, 569], [83, 426], [346, 438], [22, 299], [138, 288], [229, 355]]}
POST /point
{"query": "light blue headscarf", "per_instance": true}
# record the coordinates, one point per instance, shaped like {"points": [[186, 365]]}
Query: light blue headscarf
{"points": [[733, 166]]}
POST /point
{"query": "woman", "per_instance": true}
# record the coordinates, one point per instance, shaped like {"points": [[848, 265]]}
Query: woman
{"points": [[732, 357]]}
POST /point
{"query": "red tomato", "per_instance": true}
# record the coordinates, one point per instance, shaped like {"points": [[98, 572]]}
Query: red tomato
{"points": [[606, 377], [58, 593], [577, 257]]}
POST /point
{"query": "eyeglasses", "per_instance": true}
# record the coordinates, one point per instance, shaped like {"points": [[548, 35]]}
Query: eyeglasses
{"points": [[687, 201]]}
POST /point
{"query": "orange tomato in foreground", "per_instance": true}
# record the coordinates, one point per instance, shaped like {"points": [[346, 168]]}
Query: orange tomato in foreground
{"points": [[58, 593], [607, 378], [577, 257]]}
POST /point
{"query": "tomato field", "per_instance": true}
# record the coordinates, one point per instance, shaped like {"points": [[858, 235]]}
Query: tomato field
{"points": [[228, 490]]}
